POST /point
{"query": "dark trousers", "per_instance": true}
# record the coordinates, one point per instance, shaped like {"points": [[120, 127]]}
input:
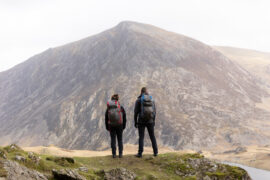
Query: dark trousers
{"points": [[150, 128], [116, 132]]}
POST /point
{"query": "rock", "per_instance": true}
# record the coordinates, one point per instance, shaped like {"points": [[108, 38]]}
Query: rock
{"points": [[20, 158], [3, 154], [119, 174], [30, 155], [179, 173], [236, 150], [17, 172], [206, 178], [68, 159], [240, 150], [67, 174], [213, 169], [83, 169], [62, 161], [33, 157]]}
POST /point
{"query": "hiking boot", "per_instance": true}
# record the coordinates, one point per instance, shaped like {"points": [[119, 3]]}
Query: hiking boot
{"points": [[139, 155], [120, 155], [155, 154], [114, 155]]}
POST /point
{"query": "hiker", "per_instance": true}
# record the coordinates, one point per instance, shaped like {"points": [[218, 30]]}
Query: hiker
{"points": [[115, 121], [144, 117]]}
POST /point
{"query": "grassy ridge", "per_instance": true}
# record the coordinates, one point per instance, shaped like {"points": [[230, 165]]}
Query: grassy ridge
{"points": [[165, 166]]}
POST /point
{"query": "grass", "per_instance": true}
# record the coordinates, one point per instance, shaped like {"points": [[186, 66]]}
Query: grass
{"points": [[165, 166]]}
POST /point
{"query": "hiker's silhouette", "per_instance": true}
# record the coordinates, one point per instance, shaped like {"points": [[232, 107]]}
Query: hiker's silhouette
{"points": [[115, 121], [144, 117]]}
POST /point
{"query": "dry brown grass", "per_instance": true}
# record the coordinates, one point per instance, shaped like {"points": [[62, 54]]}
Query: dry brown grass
{"points": [[255, 156], [56, 151]]}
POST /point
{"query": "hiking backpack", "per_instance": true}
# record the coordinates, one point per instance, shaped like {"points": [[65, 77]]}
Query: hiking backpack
{"points": [[147, 108], [114, 113]]}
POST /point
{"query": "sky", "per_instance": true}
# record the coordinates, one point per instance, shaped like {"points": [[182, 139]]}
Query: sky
{"points": [[28, 27]]}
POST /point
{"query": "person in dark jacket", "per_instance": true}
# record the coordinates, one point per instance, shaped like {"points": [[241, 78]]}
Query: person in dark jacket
{"points": [[116, 131], [141, 123]]}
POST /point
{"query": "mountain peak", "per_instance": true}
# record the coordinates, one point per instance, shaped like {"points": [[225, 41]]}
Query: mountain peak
{"points": [[136, 26], [128, 24]]}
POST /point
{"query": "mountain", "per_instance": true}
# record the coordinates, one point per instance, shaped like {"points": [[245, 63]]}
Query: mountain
{"points": [[203, 98], [256, 62]]}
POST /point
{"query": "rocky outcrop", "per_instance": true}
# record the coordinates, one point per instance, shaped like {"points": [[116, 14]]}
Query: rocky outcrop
{"points": [[236, 150], [67, 174], [16, 171], [119, 174]]}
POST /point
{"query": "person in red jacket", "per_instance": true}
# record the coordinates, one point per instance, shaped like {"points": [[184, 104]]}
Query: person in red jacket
{"points": [[115, 121]]}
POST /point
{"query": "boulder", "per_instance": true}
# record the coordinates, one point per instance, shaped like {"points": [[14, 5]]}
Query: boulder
{"points": [[119, 174], [237, 150], [33, 157], [15, 171], [83, 169], [20, 158], [3, 154], [67, 174]]}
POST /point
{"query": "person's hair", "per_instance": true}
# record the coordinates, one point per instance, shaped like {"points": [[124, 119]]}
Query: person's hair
{"points": [[144, 90], [115, 97]]}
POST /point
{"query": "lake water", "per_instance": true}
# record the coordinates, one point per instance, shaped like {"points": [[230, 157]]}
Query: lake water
{"points": [[255, 174]]}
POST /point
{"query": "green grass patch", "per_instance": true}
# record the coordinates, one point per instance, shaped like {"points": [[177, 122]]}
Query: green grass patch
{"points": [[219, 175], [236, 172]]}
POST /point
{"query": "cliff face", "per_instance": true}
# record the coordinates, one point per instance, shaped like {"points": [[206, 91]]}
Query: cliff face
{"points": [[59, 96]]}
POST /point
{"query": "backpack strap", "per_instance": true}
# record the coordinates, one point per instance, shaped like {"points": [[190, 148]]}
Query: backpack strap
{"points": [[142, 98], [120, 115]]}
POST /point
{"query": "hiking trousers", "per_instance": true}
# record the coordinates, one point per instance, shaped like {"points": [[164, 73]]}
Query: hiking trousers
{"points": [[150, 129], [116, 132]]}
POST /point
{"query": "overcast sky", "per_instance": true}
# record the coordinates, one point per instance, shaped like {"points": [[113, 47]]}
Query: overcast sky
{"points": [[28, 27]]}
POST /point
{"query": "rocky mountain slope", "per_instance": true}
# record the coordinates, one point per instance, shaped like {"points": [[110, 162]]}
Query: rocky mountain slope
{"points": [[256, 62], [203, 98], [18, 164]]}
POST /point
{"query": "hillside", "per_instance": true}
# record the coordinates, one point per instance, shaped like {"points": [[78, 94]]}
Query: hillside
{"points": [[16, 163], [256, 62], [203, 98]]}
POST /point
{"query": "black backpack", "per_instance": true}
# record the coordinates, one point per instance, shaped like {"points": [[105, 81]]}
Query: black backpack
{"points": [[147, 108], [114, 113]]}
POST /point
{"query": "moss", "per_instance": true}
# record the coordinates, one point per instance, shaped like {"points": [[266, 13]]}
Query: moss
{"points": [[236, 172], [62, 161], [92, 175], [219, 175], [12, 148], [190, 178]]}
